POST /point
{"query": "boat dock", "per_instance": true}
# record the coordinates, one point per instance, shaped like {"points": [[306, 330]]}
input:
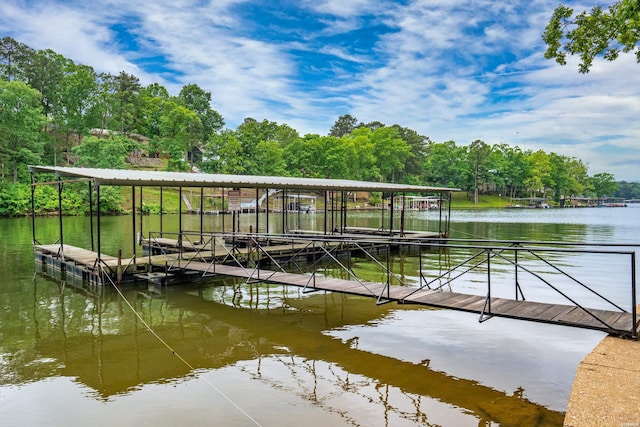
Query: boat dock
{"points": [[180, 263]]}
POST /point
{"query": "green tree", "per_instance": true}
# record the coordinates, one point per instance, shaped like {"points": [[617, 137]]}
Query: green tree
{"points": [[13, 56], [153, 103], [414, 164], [479, 156], [127, 102], [198, 100], [628, 190], [359, 156], [109, 153], [445, 164], [578, 176], [270, 159], [77, 94], [540, 178], [225, 152], [604, 184], [344, 125], [252, 132], [180, 130], [510, 169], [21, 120], [298, 156], [44, 71], [558, 176], [391, 152], [101, 112], [594, 33]]}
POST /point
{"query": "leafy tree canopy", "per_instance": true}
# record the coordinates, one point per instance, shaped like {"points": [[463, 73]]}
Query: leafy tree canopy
{"points": [[108, 152], [344, 125], [590, 34]]}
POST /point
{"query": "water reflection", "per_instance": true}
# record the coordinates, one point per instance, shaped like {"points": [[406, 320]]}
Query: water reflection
{"points": [[72, 356], [278, 336]]}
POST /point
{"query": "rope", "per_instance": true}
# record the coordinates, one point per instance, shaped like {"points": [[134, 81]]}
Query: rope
{"points": [[477, 236], [176, 354]]}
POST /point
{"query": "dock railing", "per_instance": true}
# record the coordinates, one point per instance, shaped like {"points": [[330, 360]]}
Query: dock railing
{"points": [[598, 279]]}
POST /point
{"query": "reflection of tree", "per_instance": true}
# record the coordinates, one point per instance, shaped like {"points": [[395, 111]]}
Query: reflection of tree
{"points": [[108, 350]]}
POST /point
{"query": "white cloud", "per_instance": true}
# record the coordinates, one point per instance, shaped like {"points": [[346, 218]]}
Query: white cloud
{"points": [[450, 69]]}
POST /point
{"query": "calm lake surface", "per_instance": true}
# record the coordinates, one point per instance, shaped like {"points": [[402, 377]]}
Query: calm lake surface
{"points": [[270, 355]]}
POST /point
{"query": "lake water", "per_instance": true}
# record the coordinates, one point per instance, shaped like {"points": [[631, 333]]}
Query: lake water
{"points": [[227, 353]]}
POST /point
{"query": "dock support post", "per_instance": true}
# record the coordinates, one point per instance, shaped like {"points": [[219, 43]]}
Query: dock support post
{"points": [[392, 208], [285, 202], [516, 268], [222, 208], [489, 278], [180, 220], [133, 219], [402, 217], [343, 211], [326, 199], [93, 248], [388, 271], [141, 215], [333, 212], [98, 223], [60, 218], [257, 220], [161, 209], [267, 212], [33, 210], [201, 213]]}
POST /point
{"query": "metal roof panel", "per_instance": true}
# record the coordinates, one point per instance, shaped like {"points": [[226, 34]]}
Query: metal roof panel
{"points": [[125, 177]]}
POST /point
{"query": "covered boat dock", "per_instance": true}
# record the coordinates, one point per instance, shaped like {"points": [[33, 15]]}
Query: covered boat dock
{"points": [[293, 256], [268, 192]]}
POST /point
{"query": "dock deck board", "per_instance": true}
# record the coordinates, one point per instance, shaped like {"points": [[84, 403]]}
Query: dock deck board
{"points": [[615, 322], [612, 321]]}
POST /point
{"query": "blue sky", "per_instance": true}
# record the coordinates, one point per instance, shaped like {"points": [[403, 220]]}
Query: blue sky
{"points": [[449, 69]]}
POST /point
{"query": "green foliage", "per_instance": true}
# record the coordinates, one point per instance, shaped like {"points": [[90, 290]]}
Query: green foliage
{"points": [[628, 190], [151, 208], [109, 152], [21, 120], [111, 200], [198, 100], [594, 33], [344, 125], [13, 56], [14, 199], [375, 198], [603, 184]]}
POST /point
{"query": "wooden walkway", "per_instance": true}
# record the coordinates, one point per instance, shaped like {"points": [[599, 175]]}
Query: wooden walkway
{"points": [[612, 322]]}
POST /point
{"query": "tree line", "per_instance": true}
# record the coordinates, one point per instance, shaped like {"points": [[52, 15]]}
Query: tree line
{"points": [[49, 106]]}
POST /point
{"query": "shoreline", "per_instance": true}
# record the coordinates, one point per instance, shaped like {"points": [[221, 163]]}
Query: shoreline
{"points": [[606, 387]]}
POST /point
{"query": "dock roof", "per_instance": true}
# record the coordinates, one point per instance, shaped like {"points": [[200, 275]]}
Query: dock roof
{"points": [[123, 177]]}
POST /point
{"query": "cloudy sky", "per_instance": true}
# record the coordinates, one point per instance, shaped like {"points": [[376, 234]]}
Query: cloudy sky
{"points": [[450, 69]]}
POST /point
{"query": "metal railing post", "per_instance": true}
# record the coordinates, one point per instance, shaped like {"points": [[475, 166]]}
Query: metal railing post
{"points": [[388, 270], [634, 302], [516, 266], [489, 280]]}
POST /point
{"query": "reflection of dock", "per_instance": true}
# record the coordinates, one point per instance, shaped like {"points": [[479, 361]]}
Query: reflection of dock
{"points": [[114, 359]]}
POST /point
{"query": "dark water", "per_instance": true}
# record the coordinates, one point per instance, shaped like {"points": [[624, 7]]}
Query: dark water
{"points": [[228, 353]]}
